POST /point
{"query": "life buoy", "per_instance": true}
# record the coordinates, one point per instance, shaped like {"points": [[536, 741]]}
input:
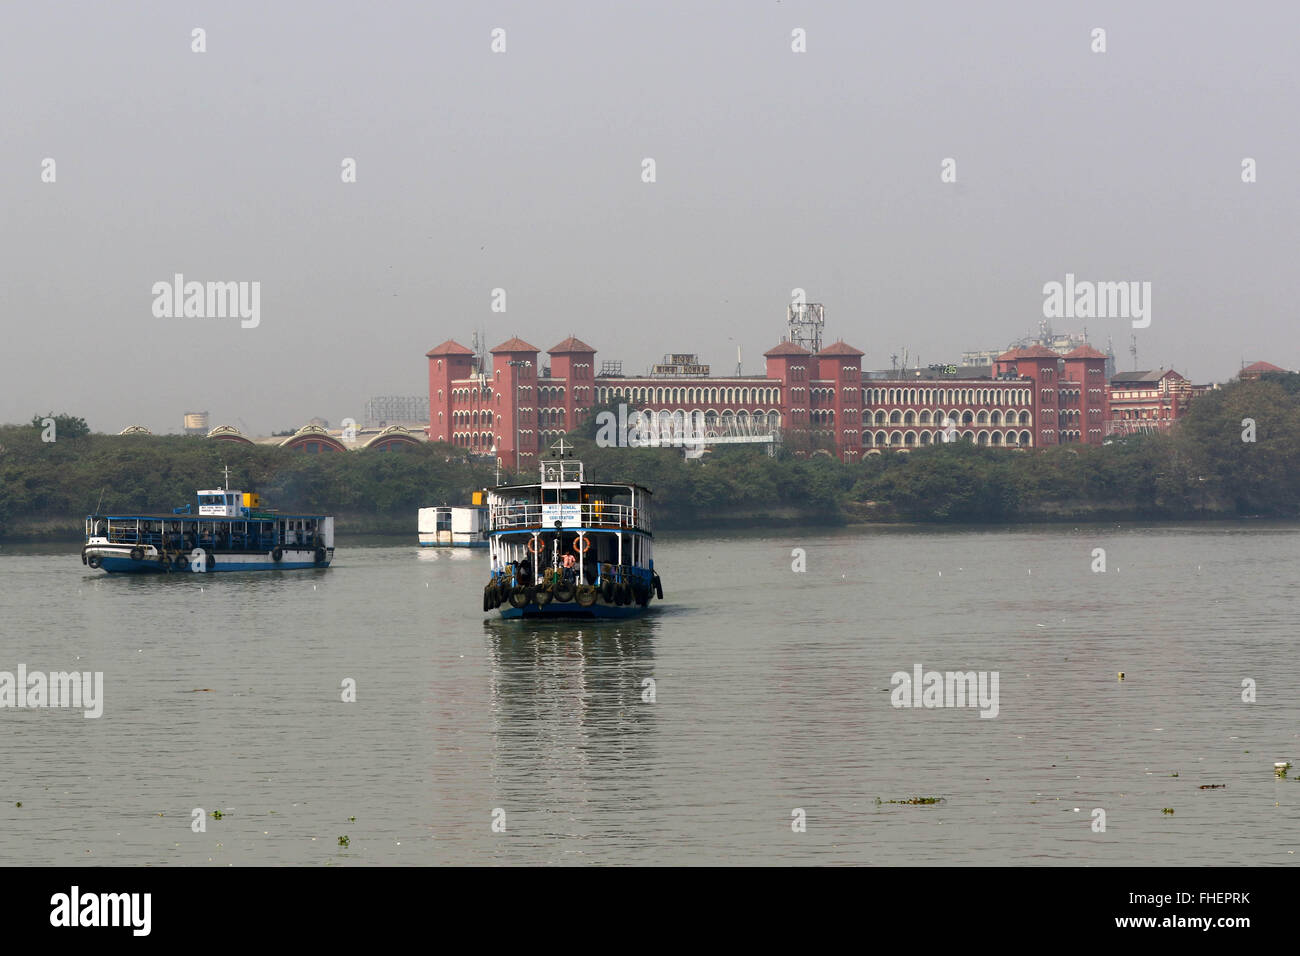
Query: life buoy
{"points": [[519, 596], [93, 561], [582, 545], [137, 554], [586, 596], [535, 545], [277, 553]]}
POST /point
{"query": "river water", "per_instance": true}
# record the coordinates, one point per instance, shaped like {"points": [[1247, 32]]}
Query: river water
{"points": [[771, 696]]}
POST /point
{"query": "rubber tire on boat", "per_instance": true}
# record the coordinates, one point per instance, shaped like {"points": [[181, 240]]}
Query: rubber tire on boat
{"points": [[209, 560], [181, 561], [83, 557], [642, 594], [488, 598], [320, 555], [137, 554], [607, 590], [277, 553], [623, 593], [93, 561], [542, 597], [659, 588], [519, 597], [586, 595], [564, 592]]}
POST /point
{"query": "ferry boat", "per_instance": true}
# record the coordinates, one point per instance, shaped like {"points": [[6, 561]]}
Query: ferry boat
{"points": [[567, 547], [231, 532], [448, 527]]}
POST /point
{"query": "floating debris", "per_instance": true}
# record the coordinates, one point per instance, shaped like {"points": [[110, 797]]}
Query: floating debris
{"points": [[1213, 786], [1121, 675], [913, 801], [1167, 810], [344, 841], [1280, 767]]}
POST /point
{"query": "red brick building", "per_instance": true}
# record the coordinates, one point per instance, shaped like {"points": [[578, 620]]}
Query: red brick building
{"points": [[1031, 397]]}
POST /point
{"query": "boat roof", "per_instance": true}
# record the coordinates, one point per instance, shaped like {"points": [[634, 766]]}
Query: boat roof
{"points": [[256, 516], [596, 485]]}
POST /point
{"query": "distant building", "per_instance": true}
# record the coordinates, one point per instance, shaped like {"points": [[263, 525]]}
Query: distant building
{"points": [[1061, 343], [1254, 370], [196, 423], [1149, 401], [409, 410], [1029, 397]]}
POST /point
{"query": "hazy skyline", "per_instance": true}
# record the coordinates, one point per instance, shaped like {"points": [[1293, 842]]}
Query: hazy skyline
{"points": [[522, 171]]}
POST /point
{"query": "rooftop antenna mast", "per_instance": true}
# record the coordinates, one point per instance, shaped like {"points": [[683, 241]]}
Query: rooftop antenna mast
{"points": [[806, 321]]}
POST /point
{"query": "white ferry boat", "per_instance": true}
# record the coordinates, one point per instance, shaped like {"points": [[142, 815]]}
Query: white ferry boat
{"points": [[229, 533], [450, 527], [567, 547]]}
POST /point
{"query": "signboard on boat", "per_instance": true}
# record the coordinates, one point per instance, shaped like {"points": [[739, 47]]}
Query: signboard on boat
{"points": [[569, 515]]}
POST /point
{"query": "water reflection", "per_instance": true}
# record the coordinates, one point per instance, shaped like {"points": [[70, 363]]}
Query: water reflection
{"points": [[571, 728]]}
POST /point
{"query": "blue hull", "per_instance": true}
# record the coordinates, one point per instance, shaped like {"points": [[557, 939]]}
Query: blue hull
{"points": [[127, 566], [455, 544], [572, 609]]}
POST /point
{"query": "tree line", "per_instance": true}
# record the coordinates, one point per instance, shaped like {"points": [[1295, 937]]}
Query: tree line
{"points": [[1235, 453]]}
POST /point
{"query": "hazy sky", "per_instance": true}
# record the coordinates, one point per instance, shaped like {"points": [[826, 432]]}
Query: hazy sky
{"points": [[523, 170]]}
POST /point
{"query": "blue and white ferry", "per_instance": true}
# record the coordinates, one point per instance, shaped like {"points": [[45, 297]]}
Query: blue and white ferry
{"points": [[567, 547], [230, 533]]}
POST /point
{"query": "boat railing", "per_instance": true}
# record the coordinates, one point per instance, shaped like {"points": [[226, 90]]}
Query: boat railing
{"points": [[507, 517]]}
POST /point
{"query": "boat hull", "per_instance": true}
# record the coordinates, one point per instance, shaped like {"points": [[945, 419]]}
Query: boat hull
{"points": [[572, 609], [125, 564]]}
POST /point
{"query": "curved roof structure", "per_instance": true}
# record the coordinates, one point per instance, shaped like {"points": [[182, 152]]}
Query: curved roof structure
{"points": [[135, 430], [229, 433], [392, 437], [313, 438]]}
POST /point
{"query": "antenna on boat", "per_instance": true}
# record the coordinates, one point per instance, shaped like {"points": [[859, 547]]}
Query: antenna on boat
{"points": [[226, 469], [561, 447]]}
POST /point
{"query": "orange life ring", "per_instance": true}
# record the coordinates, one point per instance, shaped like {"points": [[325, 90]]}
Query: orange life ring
{"points": [[535, 545], [585, 545]]}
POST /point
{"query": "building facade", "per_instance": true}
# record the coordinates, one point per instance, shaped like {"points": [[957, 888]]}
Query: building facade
{"points": [[824, 401]]}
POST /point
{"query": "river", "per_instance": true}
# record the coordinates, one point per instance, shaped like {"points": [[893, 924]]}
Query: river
{"points": [[768, 733]]}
